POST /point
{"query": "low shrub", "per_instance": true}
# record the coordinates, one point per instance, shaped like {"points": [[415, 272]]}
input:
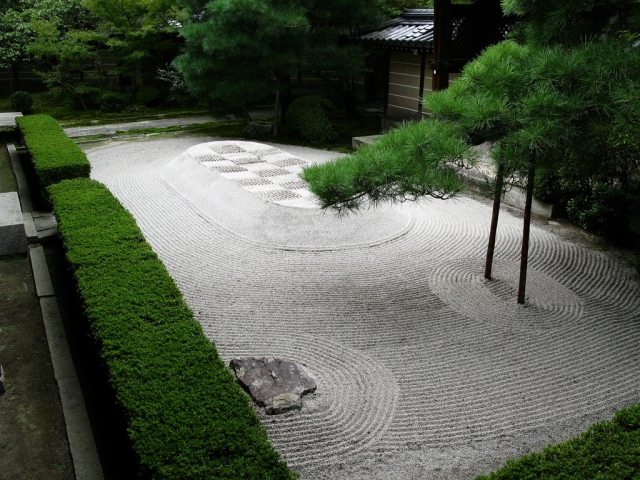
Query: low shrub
{"points": [[55, 156], [111, 102], [605, 211], [85, 97], [186, 416], [607, 451], [148, 96], [21, 102], [308, 117]]}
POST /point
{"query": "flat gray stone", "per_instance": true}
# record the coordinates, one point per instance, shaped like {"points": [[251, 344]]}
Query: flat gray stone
{"points": [[275, 384], [13, 238], [41, 277]]}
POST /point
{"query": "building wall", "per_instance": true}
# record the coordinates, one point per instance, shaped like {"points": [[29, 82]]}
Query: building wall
{"points": [[404, 97]]}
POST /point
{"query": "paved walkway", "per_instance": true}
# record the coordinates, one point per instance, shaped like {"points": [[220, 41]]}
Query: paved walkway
{"points": [[113, 128], [8, 120], [424, 369]]}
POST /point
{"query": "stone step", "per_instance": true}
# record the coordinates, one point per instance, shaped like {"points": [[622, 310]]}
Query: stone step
{"points": [[13, 239]]}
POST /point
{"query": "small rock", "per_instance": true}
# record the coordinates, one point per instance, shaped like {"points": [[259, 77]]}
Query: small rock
{"points": [[2, 388], [275, 384]]}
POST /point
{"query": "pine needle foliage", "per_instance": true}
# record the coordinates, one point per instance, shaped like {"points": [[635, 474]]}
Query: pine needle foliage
{"points": [[239, 52], [415, 160], [236, 50]]}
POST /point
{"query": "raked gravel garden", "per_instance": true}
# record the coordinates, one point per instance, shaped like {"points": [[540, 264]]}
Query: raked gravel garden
{"points": [[423, 368]]}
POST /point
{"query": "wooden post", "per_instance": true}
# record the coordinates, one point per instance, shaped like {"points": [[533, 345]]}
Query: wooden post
{"points": [[524, 256], [497, 194], [442, 32], [423, 67]]}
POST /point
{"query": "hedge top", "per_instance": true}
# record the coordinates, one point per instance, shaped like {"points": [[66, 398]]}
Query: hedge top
{"points": [[187, 418], [55, 156]]}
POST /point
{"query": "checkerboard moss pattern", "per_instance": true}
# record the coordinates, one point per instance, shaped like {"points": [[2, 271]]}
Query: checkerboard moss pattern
{"points": [[187, 418], [54, 155]]}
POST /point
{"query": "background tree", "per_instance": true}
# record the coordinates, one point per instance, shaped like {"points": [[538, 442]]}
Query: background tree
{"points": [[15, 35], [62, 59], [392, 8], [239, 52], [142, 35], [543, 105]]}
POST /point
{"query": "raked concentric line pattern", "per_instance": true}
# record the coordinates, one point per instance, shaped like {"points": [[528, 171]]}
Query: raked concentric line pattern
{"points": [[423, 369]]}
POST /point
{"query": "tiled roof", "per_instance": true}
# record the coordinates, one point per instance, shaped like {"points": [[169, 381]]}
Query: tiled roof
{"points": [[412, 29]]}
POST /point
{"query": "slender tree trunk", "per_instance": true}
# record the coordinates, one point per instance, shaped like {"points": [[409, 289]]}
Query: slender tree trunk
{"points": [[524, 257], [15, 71], [497, 194], [276, 120]]}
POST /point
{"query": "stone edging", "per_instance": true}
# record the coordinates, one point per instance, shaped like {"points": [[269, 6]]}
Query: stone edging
{"points": [[84, 454]]}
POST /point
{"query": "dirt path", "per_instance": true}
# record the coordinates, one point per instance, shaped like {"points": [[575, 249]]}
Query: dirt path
{"points": [[33, 442]]}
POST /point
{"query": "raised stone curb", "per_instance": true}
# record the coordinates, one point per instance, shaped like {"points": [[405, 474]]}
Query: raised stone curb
{"points": [[84, 454], [44, 287]]}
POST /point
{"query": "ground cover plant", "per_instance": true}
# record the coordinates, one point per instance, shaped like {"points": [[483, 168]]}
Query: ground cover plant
{"points": [[55, 156], [186, 416], [607, 451]]}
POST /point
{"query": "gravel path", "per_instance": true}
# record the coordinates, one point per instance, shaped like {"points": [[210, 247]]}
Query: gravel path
{"points": [[424, 369], [113, 128]]}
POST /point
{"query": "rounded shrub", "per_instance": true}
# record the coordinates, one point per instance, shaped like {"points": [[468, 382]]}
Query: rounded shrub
{"points": [[86, 97], [148, 96], [112, 102], [21, 102], [308, 118]]}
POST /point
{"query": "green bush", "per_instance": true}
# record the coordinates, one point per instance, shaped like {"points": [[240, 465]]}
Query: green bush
{"points": [[112, 102], [187, 418], [604, 211], [308, 117], [148, 96], [85, 97], [55, 156], [21, 102], [607, 451], [547, 187]]}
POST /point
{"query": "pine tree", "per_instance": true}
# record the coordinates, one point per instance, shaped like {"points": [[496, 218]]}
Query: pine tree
{"points": [[239, 52], [556, 97]]}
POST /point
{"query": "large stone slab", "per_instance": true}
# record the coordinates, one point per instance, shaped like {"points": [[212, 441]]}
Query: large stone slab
{"points": [[8, 120], [13, 238], [275, 384]]}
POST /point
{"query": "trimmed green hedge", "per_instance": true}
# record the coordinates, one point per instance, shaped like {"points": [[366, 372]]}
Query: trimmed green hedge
{"points": [[55, 156], [187, 418], [607, 451]]}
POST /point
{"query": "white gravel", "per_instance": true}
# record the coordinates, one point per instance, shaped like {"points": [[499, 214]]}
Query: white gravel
{"points": [[424, 370]]}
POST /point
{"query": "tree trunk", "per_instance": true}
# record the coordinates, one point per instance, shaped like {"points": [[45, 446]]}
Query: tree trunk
{"points": [[15, 71], [497, 194], [276, 120], [285, 98], [524, 256]]}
